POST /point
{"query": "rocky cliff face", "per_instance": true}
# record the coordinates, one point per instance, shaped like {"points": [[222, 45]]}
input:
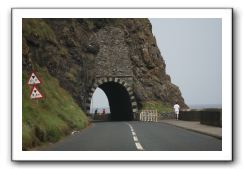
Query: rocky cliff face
{"points": [[76, 51]]}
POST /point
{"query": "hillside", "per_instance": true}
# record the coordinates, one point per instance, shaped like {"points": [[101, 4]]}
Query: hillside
{"points": [[49, 119]]}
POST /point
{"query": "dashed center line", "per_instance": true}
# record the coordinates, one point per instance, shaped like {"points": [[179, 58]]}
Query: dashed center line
{"points": [[135, 138], [138, 146]]}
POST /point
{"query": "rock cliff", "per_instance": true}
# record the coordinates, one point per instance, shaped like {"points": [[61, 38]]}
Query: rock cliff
{"points": [[76, 51]]}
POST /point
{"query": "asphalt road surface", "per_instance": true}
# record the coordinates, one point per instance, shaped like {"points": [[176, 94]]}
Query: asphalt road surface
{"points": [[136, 136]]}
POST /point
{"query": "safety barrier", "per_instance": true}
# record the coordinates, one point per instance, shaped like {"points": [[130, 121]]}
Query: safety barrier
{"points": [[149, 115]]}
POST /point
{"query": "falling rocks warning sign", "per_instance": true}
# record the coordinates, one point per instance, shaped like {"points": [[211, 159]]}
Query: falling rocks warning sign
{"points": [[35, 93], [33, 79]]}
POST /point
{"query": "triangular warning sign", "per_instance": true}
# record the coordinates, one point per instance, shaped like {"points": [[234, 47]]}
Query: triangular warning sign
{"points": [[35, 93], [33, 79]]}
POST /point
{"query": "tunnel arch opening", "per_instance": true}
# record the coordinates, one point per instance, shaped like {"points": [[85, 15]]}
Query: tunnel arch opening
{"points": [[123, 106], [99, 102]]}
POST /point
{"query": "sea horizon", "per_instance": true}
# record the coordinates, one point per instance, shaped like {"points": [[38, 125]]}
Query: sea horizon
{"points": [[204, 106]]}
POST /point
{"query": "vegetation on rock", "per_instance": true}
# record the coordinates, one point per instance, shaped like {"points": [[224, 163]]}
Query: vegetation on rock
{"points": [[156, 105]]}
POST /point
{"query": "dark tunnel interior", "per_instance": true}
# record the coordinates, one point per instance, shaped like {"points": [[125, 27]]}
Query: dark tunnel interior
{"points": [[119, 101]]}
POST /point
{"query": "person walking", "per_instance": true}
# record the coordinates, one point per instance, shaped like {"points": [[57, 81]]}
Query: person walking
{"points": [[95, 114], [177, 110]]}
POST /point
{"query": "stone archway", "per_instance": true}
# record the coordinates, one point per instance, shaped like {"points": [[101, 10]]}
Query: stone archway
{"points": [[120, 95]]}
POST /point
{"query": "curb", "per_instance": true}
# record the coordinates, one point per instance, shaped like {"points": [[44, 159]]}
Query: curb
{"points": [[191, 129]]}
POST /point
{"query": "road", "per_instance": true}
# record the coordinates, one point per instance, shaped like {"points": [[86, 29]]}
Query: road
{"points": [[136, 136]]}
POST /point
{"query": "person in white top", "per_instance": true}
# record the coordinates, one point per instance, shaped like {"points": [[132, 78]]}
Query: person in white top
{"points": [[177, 110]]}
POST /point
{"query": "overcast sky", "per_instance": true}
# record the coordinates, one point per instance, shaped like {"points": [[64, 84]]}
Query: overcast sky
{"points": [[192, 51]]}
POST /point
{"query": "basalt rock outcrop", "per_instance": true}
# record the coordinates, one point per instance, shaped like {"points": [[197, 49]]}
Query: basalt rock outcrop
{"points": [[76, 51]]}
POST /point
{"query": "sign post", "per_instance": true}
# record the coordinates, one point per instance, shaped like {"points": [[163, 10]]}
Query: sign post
{"points": [[35, 92], [33, 80]]}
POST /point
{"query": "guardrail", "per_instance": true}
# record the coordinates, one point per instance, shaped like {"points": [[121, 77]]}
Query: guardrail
{"points": [[149, 115]]}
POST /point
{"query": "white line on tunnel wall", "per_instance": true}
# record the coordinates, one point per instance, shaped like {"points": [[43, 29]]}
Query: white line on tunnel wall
{"points": [[135, 138]]}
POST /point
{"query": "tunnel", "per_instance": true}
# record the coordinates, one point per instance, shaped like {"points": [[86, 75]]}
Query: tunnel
{"points": [[119, 101]]}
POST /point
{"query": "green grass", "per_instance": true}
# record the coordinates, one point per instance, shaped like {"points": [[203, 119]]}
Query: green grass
{"points": [[51, 118], [155, 105]]}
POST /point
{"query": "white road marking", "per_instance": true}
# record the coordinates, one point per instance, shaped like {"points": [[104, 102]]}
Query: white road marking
{"points": [[135, 138], [138, 146]]}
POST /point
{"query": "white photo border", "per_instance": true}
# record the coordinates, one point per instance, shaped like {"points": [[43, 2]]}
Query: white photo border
{"points": [[227, 137]]}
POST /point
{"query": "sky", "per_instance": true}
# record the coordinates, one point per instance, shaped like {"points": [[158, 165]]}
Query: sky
{"points": [[192, 52], [99, 100]]}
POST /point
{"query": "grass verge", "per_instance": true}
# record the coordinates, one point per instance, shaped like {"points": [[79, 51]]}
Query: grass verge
{"points": [[51, 118]]}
